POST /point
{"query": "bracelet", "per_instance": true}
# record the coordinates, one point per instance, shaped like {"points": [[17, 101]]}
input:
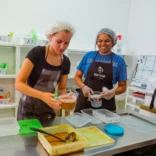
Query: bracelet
{"points": [[83, 86]]}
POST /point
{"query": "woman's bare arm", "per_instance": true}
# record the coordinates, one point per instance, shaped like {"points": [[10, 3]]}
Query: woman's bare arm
{"points": [[22, 77], [121, 88], [78, 78], [62, 85]]}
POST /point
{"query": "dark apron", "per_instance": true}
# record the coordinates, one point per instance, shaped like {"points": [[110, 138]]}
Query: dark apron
{"points": [[30, 107], [99, 75]]}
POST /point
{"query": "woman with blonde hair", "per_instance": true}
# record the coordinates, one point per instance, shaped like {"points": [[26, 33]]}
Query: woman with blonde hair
{"points": [[44, 68]]}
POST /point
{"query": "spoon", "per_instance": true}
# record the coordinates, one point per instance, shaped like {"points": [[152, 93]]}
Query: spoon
{"points": [[70, 137]]}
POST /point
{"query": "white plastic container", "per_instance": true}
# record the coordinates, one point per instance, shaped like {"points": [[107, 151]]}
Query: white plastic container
{"points": [[119, 44], [106, 116], [88, 113], [3, 71], [5, 39], [43, 42], [8, 126], [78, 119], [4, 101], [119, 47], [26, 41]]}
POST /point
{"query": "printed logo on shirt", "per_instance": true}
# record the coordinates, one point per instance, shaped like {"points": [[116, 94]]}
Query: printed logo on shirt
{"points": [[100, 70], [99, 75]]}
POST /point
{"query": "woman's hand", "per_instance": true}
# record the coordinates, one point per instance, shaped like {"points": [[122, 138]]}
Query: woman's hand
{"points": [[48, 98], [87, 91], [108, 94]]}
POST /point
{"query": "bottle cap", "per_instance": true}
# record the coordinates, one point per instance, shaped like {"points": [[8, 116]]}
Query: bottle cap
{"points": [[119, 37]]}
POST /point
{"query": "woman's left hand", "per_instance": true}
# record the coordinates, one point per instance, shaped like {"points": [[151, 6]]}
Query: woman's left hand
{"points": [[108, 94]]}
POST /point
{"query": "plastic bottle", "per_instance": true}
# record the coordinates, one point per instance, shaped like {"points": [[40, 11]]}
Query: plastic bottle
{"points": [[119, 44]]}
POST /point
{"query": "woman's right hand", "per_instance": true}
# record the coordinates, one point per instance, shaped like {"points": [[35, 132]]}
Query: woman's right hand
{"points": [[87, 91], [49, 99]]}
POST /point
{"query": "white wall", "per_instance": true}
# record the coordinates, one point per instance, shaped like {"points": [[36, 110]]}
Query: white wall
{"points": [[142, 27], [88, 16], [135, 19]]}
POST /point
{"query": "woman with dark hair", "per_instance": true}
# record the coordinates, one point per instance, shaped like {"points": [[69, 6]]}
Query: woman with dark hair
{"points": [[101, 69]]}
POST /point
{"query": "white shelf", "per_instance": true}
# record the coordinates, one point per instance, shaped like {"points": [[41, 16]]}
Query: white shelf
{"points": [[7, 76], [130, 89], [76, 51], [123, 54], [133, 105], [137, 98], [9, 105], [79, 50], [6, 44], [137, 89], [26, 46], [84, 51]]}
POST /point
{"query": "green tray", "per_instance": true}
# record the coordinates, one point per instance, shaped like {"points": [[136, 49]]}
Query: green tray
{"points": [[26, 124]]}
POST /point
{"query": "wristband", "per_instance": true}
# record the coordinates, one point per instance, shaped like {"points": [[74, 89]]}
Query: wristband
{"points": [[83, 86]]}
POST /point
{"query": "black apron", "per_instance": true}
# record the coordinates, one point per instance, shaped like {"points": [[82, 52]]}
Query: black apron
{"points": [[30, 107], [99, 75]]}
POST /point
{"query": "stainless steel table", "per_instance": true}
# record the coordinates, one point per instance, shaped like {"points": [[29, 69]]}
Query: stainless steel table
{"points": [[29, 146]]}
